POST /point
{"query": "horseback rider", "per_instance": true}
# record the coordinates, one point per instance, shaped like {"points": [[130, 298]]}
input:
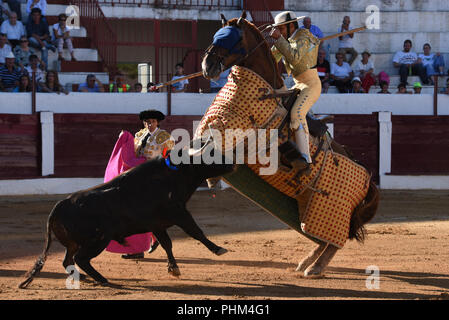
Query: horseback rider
{"points": [[299, 54]]}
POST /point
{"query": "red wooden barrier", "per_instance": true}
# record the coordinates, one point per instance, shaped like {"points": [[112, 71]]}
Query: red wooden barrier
{"points": [[360, 133], [420, 145], [20, 155]]}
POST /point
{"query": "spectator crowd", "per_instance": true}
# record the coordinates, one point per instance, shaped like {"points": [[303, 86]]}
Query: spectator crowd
{"points": [[24, 53]]}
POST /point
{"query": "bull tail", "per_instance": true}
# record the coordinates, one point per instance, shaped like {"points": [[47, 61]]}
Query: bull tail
{"points": [[363, 213], [41, 260]]}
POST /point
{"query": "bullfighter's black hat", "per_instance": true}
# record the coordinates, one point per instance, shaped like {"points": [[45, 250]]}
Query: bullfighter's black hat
{"points": [[151, 114]]}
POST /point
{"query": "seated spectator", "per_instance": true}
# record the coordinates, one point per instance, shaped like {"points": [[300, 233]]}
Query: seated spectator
{"points": [[182, 85], [13, 29], [433, 63], [345, 42], [138, 87], [383, 77], [51, 84], [324, 70], [39, 34], [24, 84], [36, 66], [9, 74], [4, 11], [13, 6], [39, 4], [315, 30], [402, 89], [409, 64], [151, 87], [384, 88], [92, 84], [23, 53], [364, 69], [341, 74], [446, 91], [5, 48], [356, 86], [216, 86], [62, 35], [118, 85], [417, 87]]}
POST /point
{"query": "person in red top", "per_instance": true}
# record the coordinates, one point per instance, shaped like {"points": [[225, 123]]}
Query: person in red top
{"points": [[324, 69]]}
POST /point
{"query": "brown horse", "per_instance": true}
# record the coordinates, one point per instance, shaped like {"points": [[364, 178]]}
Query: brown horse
{"points": [[252, 51]]}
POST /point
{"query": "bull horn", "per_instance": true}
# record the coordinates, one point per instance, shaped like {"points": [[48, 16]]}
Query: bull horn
{"points": [[197, 152]]}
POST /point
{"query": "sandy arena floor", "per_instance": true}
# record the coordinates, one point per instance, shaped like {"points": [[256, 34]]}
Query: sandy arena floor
{"points": [[407, 241]]}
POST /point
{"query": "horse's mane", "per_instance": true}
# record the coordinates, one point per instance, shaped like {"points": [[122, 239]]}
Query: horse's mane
{"points": [[259, 38]]}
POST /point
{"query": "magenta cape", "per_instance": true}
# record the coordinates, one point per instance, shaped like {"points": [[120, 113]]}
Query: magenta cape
{"points": [[123, 159]]}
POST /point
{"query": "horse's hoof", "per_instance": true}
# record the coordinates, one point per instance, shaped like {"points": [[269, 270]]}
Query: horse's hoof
{"points": [[174, 271], [302, 266], [314, 272], [221, 251]]}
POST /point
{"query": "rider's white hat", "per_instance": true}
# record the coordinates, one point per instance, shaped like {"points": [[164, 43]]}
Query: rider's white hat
{"points": [[284, 17]]}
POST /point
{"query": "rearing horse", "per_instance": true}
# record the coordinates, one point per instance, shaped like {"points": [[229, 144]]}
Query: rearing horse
{"points": [[335, 199]]}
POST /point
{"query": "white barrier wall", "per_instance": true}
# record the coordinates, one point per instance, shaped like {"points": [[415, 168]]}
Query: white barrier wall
{"points": [[197, 104]]}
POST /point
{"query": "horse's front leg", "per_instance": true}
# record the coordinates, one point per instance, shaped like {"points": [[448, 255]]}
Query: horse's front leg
{"points": [[316, 270], [312, 257]]}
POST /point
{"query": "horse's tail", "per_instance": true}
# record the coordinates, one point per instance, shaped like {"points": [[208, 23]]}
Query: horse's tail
{"points": [[363, 213], [42, 258]]}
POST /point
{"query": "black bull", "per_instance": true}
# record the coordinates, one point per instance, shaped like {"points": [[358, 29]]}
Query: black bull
{"points": [[149, 198]]}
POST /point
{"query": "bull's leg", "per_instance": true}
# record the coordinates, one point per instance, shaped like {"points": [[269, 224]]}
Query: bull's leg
{"points": [[166, 244], [69, 260], [316, 270], [190, 227], [85, 254], [312, 257]]}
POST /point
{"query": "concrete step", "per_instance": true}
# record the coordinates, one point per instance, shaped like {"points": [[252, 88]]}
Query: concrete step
{"points": [[394, 82], [84, 66], [384, 62], [80, 54], [329, 22], [80, 77], [391, 89], [391, 42], [361, 5]]}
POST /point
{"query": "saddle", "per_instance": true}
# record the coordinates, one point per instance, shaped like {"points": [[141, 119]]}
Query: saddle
{"points": [[317, 127]]}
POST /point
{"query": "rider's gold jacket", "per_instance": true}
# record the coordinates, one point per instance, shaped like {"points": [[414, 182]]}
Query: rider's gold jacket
{"points": [[300, 52]]}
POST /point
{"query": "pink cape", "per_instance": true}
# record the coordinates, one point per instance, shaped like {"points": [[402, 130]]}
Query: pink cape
{"points": [[123, 159]]}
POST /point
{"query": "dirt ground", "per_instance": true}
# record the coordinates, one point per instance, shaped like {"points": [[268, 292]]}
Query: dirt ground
{"points": [[407, 241]]}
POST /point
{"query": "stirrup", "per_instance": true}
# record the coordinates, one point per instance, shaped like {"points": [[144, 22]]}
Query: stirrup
{"points": [[291, 153]]}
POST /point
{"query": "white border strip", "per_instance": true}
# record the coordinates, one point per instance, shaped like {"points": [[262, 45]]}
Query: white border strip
{"points": [[414, 182], [46, 186]]}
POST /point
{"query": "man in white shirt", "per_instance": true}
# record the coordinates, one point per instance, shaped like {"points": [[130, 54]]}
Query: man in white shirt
{"points": [[409, 64], [13, 29], [345, 44], [433, 63], [341, 74], [41, 4], [5, 48]]}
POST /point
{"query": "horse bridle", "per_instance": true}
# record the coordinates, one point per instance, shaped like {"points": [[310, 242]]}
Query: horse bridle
{"points": [[221, 58]]}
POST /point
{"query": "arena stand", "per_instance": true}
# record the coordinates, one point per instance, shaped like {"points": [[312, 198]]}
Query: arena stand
{"points": [[402, 139]]}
